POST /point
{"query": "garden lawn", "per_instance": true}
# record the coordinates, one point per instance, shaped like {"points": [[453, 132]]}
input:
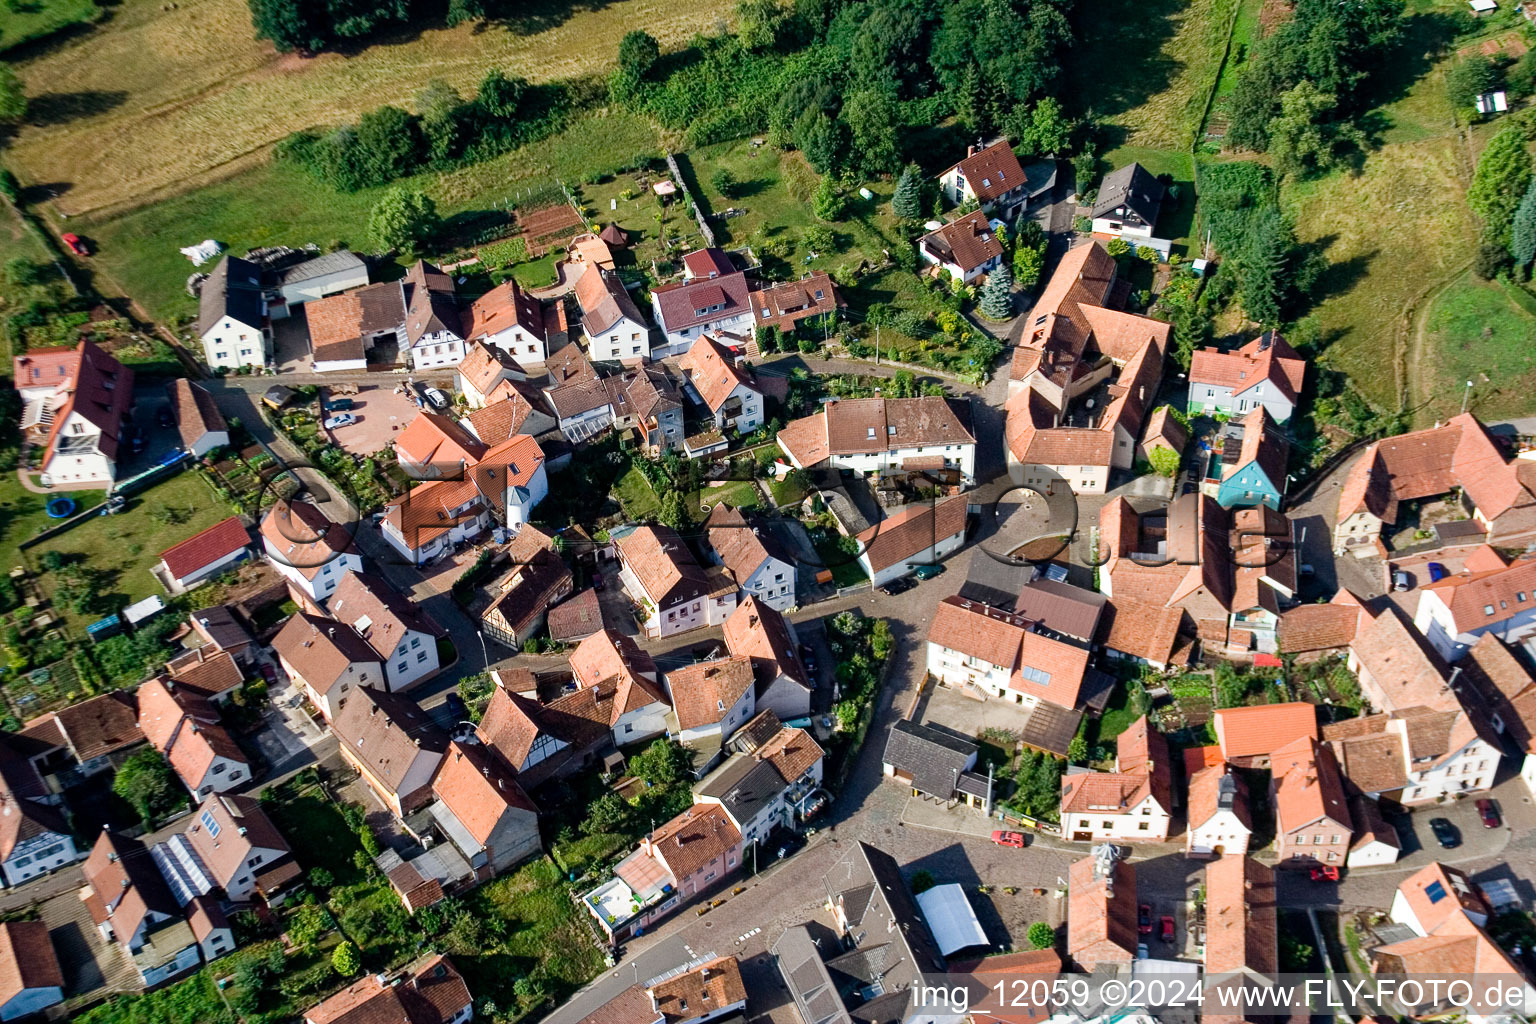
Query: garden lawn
{"points": [[194, 1001], [123, 548], [23, 515], [786, 492], [318, 833], [735, 494], [1117, 715], [539, 273], [603, 202], [1481, 331], [231, 96], [636, 495], [846, 570]]}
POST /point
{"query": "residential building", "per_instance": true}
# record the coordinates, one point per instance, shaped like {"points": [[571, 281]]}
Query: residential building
{"points": [[509, 320], [613, 325], [309, 550], [1148, 634], [513, 479], [548, 741], [521, 598], [327, 659], [1133, 803], [394, 745], [936, 764], [710, 700], [316, 278], [1503, 687], [920, 534], [576, 618], [886, 437], [1005, 655], [789, 304], [1082, 378], [1061, 608], [1455, 611], [1417, 756], [762, 569], [198, 420], [229, 849], [1101, 911], [232, 319], [428, 991], [1241, 923], [185, 727], [1266, 373], [1249, 737], [338, 340], [718, 374], [1435, 893], [1128, 204], [399, 634], [805, 975], [30, 977], [1312, 631], [675, 594], [208, 672], [1376, 841], [622, 678], [98, 731], [965, 248], [484, 811], [712, 297], [1312, 823], [75, 408], [1395, 665], [1217, 818], [1164, 431], [204, 555], [759, 633], [35, 839], [131, 905], [434, 446], [646, 407], [434, 332], [992, 178], [1424, 463], [432, 518], [510, 409], [582, 409], [210, 927], [486, 375], [705, 989], [768, 788], [694, 853], [1247, 466]]}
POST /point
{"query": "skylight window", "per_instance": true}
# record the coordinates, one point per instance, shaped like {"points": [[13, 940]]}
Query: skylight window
{"points": [[1036, 675], [210, 824]]}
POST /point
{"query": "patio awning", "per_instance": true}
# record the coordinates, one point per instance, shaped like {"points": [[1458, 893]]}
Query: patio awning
{"points": [[950, 918]]}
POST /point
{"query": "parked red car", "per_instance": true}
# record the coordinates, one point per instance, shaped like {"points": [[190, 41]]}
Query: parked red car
{"points": [[1487, 811], [1167, 929], [1325, 873], [75, 245], [1013, 839], [1144, 919]]}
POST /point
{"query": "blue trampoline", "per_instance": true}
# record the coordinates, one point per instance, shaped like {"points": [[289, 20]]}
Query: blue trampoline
{"points": [[60, 507]]}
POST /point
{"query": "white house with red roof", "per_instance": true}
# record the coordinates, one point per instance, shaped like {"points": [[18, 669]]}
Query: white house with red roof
{"points": [[1134, 802], [992, 177], [1265, 373], [401, 636], [309, 550], [920, 534], [75, 404], [509, 319], [185, 727], [204, 554], [712, 297], [483, 810], [1455, 611], [674, 592], [430, 518], [725, 384], [884, 436]]}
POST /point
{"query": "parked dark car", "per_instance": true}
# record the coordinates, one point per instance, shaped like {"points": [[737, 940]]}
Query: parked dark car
{"points": [[1446, 834], [1144, 919], [164, 417], [899, 586], [340, 405], [793, 843], [1489, 812], [808, 658], [456, 706], [1436, 572]]}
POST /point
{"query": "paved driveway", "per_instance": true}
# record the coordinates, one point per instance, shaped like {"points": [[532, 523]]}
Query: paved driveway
{"points": [[381, 414]]}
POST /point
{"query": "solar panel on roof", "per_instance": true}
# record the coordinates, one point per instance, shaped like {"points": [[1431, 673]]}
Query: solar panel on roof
{"points": [[1435, 891]]}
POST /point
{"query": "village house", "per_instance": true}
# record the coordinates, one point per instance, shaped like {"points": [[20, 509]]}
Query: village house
{"points": [[484, 811], [1248, 737], [393, 744], [1128, 204], [1146, 634], [920, 534], [710, 700], [885, 437], [327, 659], [309, 550], [575, 618], [521, 598], [185, 727], [768, 788], [487, 375], [232, 318], [35, 838], [510, 409], [582, 409], [1082, 378], [1455, 611], [1493, 490], [1417, 756], [965, 249], [1004, 655], [1101, 911], [887, 944], [992, 178], [622, 681], [434, 446], [710, 988], [229, 849], [646, 407], [726, 386], [434, 331], [1376, 841], [759, 633], [430, 519], [131, 905], [428, 991], [198, 420], [1395, 665], [1164, 431], [31, 979], [204, 555], [788, 304], [1266, 373], [1217, 814], [1241, 925], [694, 853], [1247, 464], [713, 296], [511, 321], [341, 331], [1134, 803], [1312, 823], [548, 741], [76, 403], [316, 278], [98, 732], [935, 764], [612, 324], [208, 672], [674, 593], [1501, 685], [762, 569], [400, 635]]}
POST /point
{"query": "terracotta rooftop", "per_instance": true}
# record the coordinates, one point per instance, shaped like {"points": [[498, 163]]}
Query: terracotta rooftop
{"points": [[913, 530], [1248, 732], [204, 548], [194, 409], [966, 243]]}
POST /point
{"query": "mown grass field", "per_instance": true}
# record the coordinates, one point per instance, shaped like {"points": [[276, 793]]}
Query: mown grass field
{"points": [[26, 20], [279, 204], [1480, 331], [177, 97]]}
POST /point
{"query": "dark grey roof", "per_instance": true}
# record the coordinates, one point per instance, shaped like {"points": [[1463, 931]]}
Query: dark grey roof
{"points": [[994, 581], [233, 289], [973, 784], [1095, 691], [383, 307], [1132, 187], [1061, 607], [810, 985], [934, 759], [1466, 530], [1040, 176], [744, 786], [330, 263], [222, 627]]}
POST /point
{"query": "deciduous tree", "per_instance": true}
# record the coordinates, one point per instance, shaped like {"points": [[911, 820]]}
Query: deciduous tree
{"points": [[1500, 182], [13, 98], [404, 219]]}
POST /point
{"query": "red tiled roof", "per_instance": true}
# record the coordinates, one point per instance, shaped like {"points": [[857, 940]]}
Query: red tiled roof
{"points": [[991, 171], [194, 409], [478, 790], [712, 370], [202, 549], [967, 242], [1265, 358], [1246, 732], [913, 530], [500, 309]]}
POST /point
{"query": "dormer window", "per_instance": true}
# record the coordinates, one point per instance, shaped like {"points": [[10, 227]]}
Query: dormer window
{"points": [[1487, 609]]}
